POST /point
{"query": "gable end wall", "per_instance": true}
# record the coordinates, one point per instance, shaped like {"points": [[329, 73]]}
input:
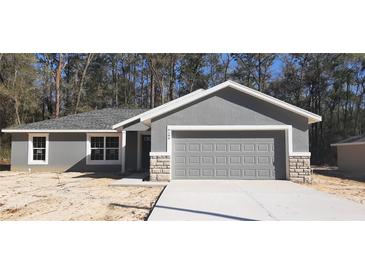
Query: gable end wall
{"points": [[230, 107]]}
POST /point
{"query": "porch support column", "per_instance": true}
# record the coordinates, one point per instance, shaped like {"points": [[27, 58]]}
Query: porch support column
{"points": [[124, 142], [139, 150]]}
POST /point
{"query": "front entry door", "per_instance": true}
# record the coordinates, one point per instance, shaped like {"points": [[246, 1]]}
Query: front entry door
{"points": [[146, 148]]}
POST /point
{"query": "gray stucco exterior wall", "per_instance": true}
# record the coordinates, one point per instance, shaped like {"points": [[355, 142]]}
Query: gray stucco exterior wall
{"points": [[137, 126], [351, 158], [67, 152], [19, 151], [230, 107]]}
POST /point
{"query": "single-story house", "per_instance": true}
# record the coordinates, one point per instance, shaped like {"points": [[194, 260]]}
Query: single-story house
{"points": [[351, 154], [226, 132]]}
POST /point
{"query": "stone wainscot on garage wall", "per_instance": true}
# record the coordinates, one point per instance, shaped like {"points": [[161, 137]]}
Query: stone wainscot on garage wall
{"points": [[299, 169], [160, 168]]}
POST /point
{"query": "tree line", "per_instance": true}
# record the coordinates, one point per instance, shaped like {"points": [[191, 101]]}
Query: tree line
{"points": [[35, 87]]}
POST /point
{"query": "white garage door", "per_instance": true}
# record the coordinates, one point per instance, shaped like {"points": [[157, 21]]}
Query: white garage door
{"points": [[228, 155]]}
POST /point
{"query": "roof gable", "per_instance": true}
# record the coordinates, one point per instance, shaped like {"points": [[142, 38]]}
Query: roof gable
{"points": [[146, 117], [132, 119]]}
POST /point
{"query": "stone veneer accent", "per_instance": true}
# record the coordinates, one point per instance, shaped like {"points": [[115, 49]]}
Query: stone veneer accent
{"points": [[160, 168], [300, 169]]}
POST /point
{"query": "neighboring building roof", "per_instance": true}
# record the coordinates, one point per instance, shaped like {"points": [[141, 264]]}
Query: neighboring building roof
{"points": [[97, 120], [355, 140], [198, 94]]}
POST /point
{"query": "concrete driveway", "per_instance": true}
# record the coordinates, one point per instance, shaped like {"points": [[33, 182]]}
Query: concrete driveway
{"points": [[250, 201]]}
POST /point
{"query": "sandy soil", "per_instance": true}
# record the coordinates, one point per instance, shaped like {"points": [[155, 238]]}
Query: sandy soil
{"points": [[349, 186], [71, 196]]}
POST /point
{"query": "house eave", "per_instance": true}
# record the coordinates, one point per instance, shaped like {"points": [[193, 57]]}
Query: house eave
{"points": [[126, 122], [56, 130], [347, 144]]}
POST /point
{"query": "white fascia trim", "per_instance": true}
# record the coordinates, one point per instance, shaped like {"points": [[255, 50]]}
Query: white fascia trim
{"points": [[104, 162], [125, 122], [30, 149], [191, 97], [227, 127], [147, 116], [159, 108], [306, 154], [56, 130], [123, 149], [347, 144], [312, 117]]}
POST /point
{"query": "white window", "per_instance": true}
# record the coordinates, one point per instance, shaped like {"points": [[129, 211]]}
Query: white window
{"points": [[38, 149], [103, 149]]}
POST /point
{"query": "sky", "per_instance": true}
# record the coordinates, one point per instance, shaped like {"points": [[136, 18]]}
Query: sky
{"points": [[276, 67]]}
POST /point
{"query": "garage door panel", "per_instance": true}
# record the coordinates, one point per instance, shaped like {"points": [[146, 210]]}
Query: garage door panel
{"points": [[207, 147], [221, 172], [195, 172], [221, 160], [263, 173], [180, 147], [235, 148], [263, 147], [194, 147], [221, 148], [194, 160], [248, 147], [180, 160], [235, 173], [179, 172], [249, 173], [249, 160], [263, 160], [235, 160], [207, 160], [272, 175], [272, 147], [207, 172], [228, 155]]}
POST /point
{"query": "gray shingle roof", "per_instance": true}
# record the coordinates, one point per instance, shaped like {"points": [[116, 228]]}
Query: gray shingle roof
{"points": [[354, 139], [97, 119]]}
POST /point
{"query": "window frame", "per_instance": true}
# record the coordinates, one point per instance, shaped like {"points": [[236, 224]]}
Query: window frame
{"points": [[103, 162], [30, 149]]}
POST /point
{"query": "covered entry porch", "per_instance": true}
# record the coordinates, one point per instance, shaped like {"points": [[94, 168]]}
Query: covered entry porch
{"points": [[137, 151]]}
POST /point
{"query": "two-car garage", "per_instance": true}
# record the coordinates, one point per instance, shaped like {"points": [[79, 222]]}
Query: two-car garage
{"points": [[229, 132], [228, 155]]}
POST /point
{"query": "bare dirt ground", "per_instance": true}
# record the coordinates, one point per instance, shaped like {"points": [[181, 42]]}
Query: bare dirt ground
{"points": [[4, 165], [71, 196], [350, 186]]}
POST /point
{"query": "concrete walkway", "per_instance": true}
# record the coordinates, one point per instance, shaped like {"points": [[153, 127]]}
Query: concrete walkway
{"points": [[137, 179], [251, 200]]}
